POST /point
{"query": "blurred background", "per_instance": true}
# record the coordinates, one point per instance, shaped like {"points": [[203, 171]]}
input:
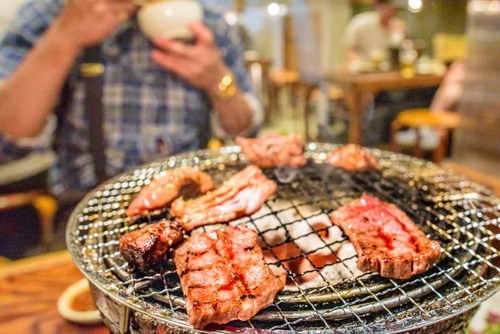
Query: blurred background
{"points": [[296, 54], [291, 46]]}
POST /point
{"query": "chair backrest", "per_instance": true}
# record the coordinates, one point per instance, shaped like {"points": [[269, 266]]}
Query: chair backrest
{"points": [[258, 69], [449, 47]]}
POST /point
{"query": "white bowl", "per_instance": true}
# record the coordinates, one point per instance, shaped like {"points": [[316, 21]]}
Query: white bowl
{"points": [[65, 304], [169, 18]]}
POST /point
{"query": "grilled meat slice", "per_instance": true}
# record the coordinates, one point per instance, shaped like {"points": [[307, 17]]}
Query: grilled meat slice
{"points": [[166, 187], [352, 157], [274, 150], [385, 238], [145, 248], [224, 276], [241, 195]]}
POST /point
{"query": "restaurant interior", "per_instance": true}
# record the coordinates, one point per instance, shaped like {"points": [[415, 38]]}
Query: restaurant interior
{"points": [[296, 55]]}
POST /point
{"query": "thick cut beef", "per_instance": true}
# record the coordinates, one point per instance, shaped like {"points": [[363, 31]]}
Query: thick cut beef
{"points": [[145, 248], [385, 238], [241, 195], [224, 276], [274, 150]]}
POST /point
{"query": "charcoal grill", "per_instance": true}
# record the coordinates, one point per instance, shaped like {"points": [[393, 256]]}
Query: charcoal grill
{"points": [[462, 215]]}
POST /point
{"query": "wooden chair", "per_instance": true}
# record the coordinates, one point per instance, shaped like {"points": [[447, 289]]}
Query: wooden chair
{"points": [[258, 69], [20, 186], [313, 92], [44, 204], [282, 84], [443, 122], [449, 47]]}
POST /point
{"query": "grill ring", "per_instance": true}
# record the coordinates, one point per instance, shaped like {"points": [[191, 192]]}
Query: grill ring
{"points": [[446, 206]]}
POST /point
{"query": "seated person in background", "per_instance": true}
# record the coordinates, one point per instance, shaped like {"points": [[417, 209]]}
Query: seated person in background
{"points": [[450, 90], [446, 98], [158, 96], [369, 35]]}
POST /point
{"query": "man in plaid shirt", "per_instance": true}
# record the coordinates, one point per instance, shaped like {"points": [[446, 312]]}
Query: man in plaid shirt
{"points": [[159, 97]]}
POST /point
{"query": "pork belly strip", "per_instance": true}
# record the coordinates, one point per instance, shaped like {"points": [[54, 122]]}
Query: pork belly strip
{"points": [[352, 157], [241, 195], [385, 238], [224, 276], [274, 150], [166, 187], [146, 247]]}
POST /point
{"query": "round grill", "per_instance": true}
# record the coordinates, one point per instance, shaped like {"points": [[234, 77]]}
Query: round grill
{"points": [[463, 216]]}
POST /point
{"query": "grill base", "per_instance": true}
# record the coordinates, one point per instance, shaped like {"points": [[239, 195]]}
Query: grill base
{"points": [[121, 319]]}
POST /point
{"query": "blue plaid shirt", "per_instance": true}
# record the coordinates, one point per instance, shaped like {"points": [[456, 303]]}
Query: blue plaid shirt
{"points": [[144, 105]]}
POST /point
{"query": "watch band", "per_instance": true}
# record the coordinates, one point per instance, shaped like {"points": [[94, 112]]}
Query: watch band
{"points": [[226, 88]]}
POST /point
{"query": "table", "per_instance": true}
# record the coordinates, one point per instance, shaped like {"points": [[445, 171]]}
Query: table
{"points": [[360, 88], [29, 290]]}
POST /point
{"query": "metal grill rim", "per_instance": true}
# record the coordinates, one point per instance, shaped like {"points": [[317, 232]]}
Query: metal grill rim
{"points": [[94, 226]]}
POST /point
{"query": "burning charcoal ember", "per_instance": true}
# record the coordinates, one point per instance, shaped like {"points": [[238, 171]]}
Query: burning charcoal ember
{"points": [[286, 174], [313, 248]]}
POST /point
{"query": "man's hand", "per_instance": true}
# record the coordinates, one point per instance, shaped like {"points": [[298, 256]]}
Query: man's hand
{"points": [[88, 22], [202, 65], [199, 64]]}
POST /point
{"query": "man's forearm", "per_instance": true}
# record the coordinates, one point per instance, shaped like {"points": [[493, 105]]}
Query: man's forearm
{"points": [[234, 112], [29, 94]]}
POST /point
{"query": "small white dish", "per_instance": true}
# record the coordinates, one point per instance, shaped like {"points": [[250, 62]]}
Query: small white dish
{"points": [[169, 18], [70, 308]]}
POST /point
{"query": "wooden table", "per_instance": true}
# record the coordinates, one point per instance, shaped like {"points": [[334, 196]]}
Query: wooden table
{"points": [[29, 290], [360, 88]]}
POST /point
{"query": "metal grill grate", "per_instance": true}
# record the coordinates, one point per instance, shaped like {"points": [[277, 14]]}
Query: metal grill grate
{"points": [[463, 216]]}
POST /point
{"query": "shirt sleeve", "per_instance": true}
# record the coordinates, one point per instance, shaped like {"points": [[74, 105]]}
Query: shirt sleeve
{"points": [[350, 32], [22, 34]]}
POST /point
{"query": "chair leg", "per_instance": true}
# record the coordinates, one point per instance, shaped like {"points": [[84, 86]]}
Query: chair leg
{"points": [[395, 127], [308, 110], [46, 207], [417, 149], [440, 152]]}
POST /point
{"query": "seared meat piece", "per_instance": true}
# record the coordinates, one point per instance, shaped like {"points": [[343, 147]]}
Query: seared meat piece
{"points": [[274, 150], [166, 187], [385, 238], [241, 195], [145, 248], [352, 157], [224, 276]]}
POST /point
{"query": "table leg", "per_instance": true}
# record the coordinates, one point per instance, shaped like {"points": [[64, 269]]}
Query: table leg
{"points": [[357, 102]]}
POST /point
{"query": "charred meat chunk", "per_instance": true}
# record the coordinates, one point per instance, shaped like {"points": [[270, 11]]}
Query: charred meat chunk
{"points": [[224, 276], [385, 239], [352, 157], [166, 187], [274, 150], [243, 194], [146, 248]]}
